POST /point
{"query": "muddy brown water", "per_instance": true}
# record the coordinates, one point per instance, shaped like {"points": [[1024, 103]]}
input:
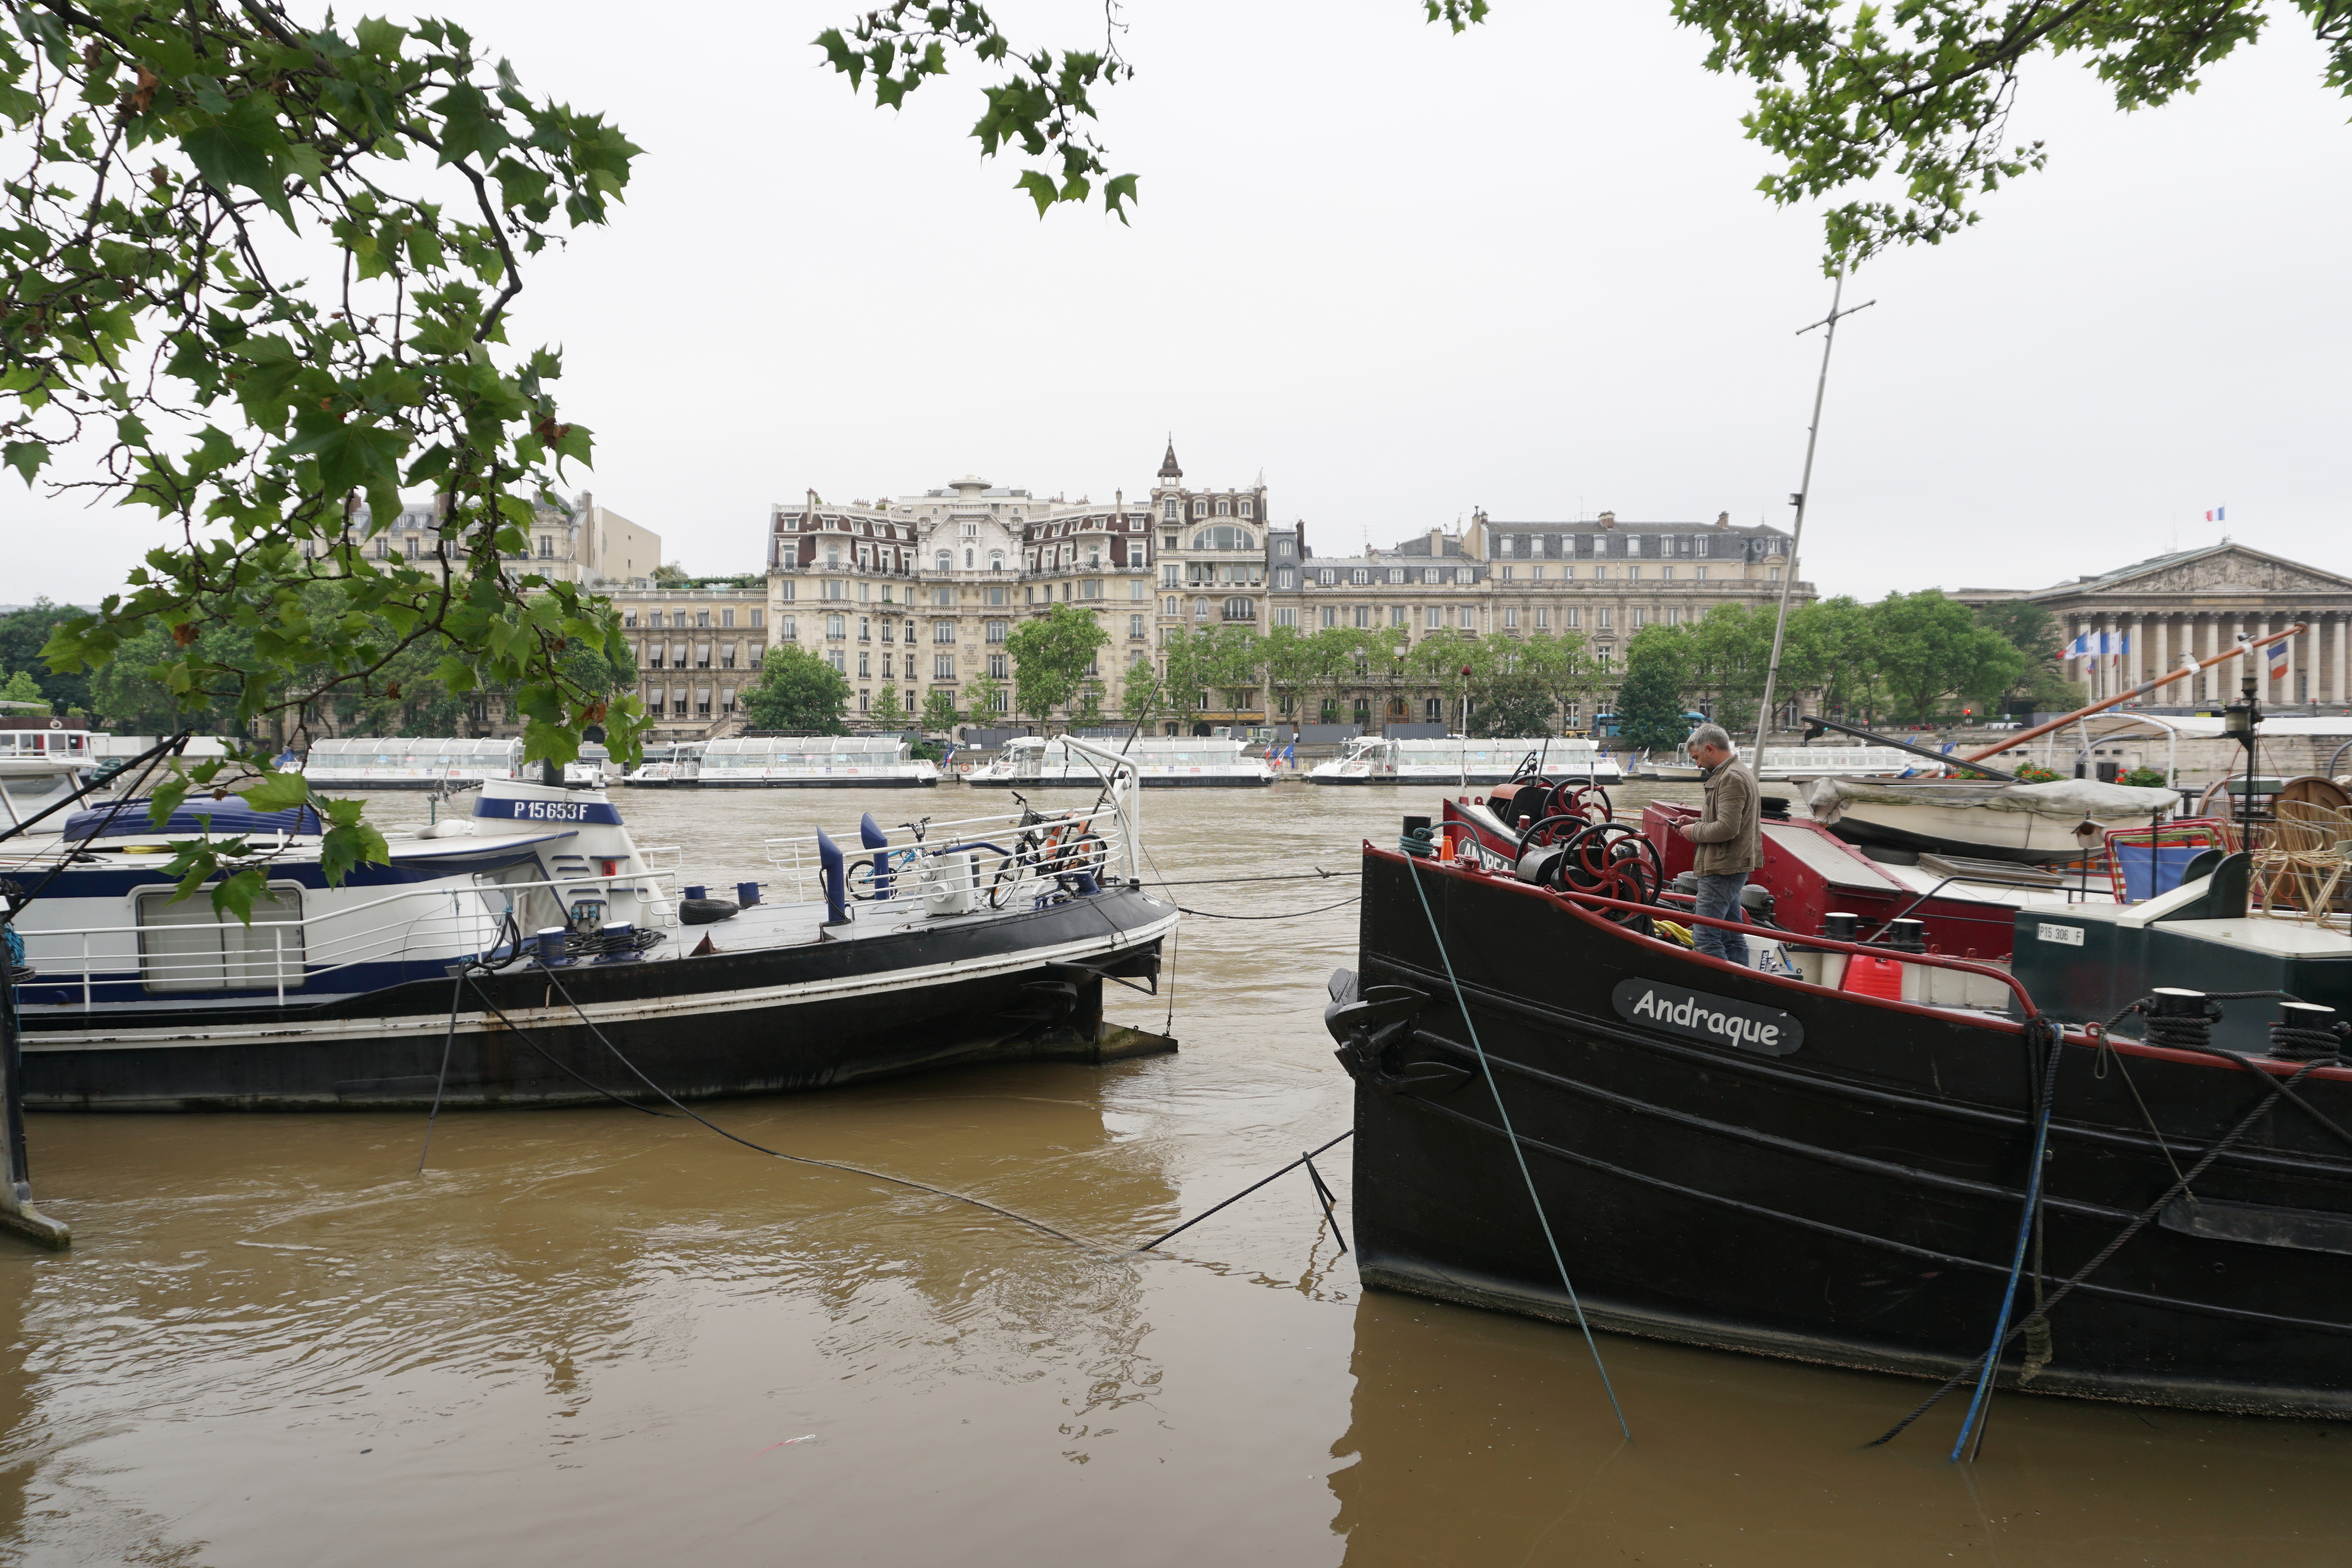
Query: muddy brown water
{"points": [[591, 1337]]}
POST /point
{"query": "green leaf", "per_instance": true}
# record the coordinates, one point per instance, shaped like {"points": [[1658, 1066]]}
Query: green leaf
{"points": [[277, 792], [1041, 189]]}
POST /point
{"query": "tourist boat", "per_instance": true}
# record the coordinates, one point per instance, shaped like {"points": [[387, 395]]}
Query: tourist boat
{"points": [[1778, 763], [1161, 762], [533, 953], [1829, 1158], [1452, 759], [1985, 819], [814, 762], [667, 766], [403, 762]]}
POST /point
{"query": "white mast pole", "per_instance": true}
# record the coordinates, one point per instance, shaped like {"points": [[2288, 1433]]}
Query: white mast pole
{"points": [[1803, 495]]}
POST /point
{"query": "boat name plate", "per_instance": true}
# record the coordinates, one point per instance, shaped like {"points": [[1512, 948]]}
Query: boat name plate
{"points": [[1700, 1016], [2064, 935]]}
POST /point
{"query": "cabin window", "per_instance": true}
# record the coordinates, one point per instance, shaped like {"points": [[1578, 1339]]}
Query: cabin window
{"points": [[191, 946]]}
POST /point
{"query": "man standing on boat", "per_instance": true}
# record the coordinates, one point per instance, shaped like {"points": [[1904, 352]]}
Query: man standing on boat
{"points": [[1729, 840]]}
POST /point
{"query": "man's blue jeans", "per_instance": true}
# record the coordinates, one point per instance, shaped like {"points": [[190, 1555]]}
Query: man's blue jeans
{"points": [[1719, 896]]}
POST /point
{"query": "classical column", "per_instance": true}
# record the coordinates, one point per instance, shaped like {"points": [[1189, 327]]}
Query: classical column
{"points": [[2170, 693], [2139, 659], [2342, 626]]}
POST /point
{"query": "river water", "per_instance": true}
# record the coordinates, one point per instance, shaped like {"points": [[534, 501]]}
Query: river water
{"points": [[591, 1337]]}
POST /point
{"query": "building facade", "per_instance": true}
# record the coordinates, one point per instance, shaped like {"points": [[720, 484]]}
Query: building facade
{"points": [[1603, 579], [577, 541], [697, 647], [2155, 615], [920, 593]]}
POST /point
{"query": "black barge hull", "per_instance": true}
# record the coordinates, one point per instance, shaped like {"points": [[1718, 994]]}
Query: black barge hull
{"points": [[1853, 1202], [762, 1021]]}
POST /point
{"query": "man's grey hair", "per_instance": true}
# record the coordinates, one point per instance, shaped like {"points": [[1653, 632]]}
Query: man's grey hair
{"points": [[1709, 734]]}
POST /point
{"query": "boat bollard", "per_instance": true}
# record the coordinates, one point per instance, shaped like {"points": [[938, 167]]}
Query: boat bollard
{"points": [[550, 944], [747, 893], [699, 889]]}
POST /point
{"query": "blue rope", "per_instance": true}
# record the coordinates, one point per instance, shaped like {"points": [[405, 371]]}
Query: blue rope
{"points": [[1516, 1153], [2047, 1038]]}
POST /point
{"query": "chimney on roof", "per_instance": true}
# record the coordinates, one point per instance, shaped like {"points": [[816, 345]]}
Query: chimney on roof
{"points": [[1608, 520], [1436, 543], [1723, 519]]}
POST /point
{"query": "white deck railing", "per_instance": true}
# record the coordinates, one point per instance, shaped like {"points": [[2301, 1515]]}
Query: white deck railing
{"points": [[442, 923], [1016, 867]]}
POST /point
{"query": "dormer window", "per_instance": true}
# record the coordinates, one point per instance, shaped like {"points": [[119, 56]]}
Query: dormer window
{"points": [[1249, 508], [1224, 508], [1200, 508]]}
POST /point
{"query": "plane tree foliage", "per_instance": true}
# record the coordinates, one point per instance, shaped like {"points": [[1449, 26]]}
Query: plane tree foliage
{"points": [[798, 691], [256, 272], [1903, 111], [1052, 655]]}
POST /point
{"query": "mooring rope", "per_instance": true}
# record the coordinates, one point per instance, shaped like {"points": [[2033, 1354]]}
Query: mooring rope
{"points": [[1285, 914], [2138, 1223], [2040, 1034], [950, 1193], [1542, 1218]]}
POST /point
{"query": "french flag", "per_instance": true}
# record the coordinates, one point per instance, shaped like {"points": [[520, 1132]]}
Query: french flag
{"points": [[2218, 514], [2278, 659]]}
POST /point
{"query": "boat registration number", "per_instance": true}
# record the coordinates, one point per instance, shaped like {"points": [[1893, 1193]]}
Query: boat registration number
{"points": [[2064, 935], [1709, 1018]]}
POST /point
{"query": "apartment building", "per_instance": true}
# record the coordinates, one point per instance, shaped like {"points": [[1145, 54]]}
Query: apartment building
{"points": [[578, 540], [921, 591], [1604, 579], [696, 646]]}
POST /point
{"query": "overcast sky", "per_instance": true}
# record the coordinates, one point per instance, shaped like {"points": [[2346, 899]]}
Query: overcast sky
{"points": [[1405, 274]]}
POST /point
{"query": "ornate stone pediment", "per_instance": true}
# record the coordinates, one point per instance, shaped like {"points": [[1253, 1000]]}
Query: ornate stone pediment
{"points": [[2230, 571]]}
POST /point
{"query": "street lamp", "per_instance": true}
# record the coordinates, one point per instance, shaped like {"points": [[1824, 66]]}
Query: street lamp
{"points": [[2240, 722]]}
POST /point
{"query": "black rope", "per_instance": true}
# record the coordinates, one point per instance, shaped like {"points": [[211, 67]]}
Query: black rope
{"points": [[449, 1041], [1318, 874], [1305, 1159], [1285, 914], [523, 1035], [2294, 1044], [807, 1160], [154, 755], [2138, 1223]]}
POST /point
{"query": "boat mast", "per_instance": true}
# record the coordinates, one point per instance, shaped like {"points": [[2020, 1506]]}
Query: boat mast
{"points": [[1803, 495]]}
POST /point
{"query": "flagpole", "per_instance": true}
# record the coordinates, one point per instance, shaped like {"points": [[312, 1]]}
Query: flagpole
{"points": [[1802, 497]]}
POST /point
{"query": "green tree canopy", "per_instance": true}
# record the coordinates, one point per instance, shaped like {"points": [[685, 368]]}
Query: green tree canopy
{"points": [[797, 690], [1051, 656], [1912, 100], [23, 634], [1928, 648], [259, 275], [21, 687], [939, 714], [1652, 701]]}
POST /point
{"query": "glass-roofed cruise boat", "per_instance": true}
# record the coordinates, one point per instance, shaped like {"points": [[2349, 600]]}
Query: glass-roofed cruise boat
{"points": [[815, 762]]}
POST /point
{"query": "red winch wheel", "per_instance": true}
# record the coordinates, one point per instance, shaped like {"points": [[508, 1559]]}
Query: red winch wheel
{"points": [[1589, 801]]}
